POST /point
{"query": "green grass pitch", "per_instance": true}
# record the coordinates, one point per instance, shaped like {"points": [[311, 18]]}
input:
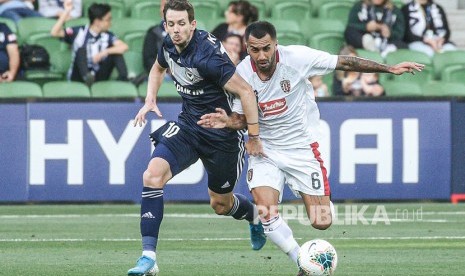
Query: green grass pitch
{"points": [[371, 239]]}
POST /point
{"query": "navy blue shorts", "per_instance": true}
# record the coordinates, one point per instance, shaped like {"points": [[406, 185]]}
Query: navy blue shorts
{"points": [[182, 148]]}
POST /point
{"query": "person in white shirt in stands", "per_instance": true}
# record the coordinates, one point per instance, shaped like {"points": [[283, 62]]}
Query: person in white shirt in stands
{"points": [[54, 8], [289, 126]]}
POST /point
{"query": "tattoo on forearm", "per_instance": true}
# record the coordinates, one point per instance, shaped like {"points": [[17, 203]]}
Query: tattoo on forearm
{"points": [[350, 63]]}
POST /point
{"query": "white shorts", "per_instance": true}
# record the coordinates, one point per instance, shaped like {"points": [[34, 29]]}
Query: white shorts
{"points": [[302, 169]]}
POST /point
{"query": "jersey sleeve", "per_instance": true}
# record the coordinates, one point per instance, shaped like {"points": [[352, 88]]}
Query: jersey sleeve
{"points": [[70, 34], [10, 37], [217, 66], [112, 38], [161, 57], [312, 62]]}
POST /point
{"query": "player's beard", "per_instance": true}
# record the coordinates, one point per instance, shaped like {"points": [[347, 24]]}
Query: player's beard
{"points": [[271, 65]]}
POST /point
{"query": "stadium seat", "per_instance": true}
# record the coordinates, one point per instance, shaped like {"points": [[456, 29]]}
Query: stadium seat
{"points": [[10, 23], [402, 55], [30, 26], [446, 59], [75, 22], [394, 88], [135, 41], [113, 89], [124, 26], [262, 7], [442, 88], [147, 10], [65, 89], [206, 9], [291, 10], [314, 26], [454, 73], [335, 10], [290, 38], [60, 61], [20, 89], [42, 76], [370, 55], [51, 44], [284, 25], [316, 4], [329, 42], [167, 90], [134, 63]]}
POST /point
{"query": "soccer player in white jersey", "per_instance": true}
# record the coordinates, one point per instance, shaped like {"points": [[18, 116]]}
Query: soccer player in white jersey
{"points": [[289, 122]]}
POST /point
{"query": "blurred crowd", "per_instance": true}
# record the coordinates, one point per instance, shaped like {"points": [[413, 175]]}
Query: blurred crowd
{"points": [[373, 25]]}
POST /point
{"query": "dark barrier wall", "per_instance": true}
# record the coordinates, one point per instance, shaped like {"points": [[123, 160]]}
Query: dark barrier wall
{"points": [[91, 152], [458, 148]]}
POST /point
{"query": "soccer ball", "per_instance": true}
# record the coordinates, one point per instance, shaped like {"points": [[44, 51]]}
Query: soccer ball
{"points": [[317, 257]]}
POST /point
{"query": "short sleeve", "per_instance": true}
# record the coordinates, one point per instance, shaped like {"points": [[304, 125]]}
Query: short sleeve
{"points": [[9, 36], [312, 62], [161, 57], [70, 34], [112, 38]]}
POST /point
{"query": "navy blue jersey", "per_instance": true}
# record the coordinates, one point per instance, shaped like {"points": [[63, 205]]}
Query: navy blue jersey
{"points": [[199, 73]]}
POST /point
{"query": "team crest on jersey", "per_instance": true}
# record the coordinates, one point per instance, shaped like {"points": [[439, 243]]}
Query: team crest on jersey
{"points": [[286, 85], [249, 175]]}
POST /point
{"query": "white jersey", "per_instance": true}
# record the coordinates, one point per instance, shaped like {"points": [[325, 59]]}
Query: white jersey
{"points": [[288, 114]]}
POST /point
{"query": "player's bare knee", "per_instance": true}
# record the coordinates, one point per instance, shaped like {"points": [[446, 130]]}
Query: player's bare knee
{"points": [[220, 207], [153, 179]]}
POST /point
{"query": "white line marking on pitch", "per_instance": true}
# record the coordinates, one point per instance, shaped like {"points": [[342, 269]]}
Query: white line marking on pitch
{"points": [[184, 215], [231, 239]]}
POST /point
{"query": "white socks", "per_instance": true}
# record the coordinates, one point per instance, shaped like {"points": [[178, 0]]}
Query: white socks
{"points": [[280, 234], [149, 254]]}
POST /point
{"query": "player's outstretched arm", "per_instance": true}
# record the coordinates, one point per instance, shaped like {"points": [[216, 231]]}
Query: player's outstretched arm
{"points": [[350, 63], [156, 75], [237, 85], [220, 119]]}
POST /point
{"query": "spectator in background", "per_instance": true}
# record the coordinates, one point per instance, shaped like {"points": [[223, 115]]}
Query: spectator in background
{"points": [[17, 9], [54, 8], [319, 87], [96, 51], [376, 25], [9, 54], [233, 45], [370, 85], [153, 41], [346, 83], [427, 29], [238, 15]]}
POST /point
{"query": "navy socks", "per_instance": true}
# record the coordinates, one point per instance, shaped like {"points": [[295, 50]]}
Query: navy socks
{"points": [[151, 212]]}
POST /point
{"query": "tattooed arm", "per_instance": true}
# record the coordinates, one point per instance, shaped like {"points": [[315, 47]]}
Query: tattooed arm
{"points": [[350, 63]]}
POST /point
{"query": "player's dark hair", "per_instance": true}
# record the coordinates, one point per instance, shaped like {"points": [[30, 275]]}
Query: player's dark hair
{"points": [[248, 11], [97, 11], [179, 5], [260, 29]]}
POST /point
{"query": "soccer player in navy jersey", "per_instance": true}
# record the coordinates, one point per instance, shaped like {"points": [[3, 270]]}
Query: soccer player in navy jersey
{"points": [[204, 76]]}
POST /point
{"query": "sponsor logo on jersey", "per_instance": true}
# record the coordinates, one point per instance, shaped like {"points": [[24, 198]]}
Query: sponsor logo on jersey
{"points": [[249, 175], [285, 85], [188, 91], [273, 107]]}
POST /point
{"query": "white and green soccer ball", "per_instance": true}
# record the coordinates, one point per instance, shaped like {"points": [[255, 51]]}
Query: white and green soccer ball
{"points": [[317, 257]]}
